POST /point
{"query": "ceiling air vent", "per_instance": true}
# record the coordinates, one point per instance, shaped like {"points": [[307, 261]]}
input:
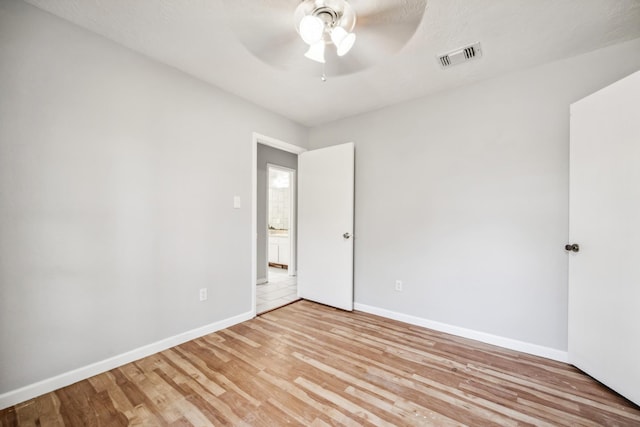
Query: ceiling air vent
{"points": [[461, 55]]}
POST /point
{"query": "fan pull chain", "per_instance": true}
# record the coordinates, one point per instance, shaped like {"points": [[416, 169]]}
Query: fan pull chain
{"points": [[324, 76]]}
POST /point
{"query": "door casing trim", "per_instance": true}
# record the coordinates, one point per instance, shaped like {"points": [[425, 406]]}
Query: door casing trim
{"points": [[256, 139]]}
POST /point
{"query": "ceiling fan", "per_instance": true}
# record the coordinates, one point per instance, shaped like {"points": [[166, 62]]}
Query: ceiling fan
{"points": [[344, 36]]}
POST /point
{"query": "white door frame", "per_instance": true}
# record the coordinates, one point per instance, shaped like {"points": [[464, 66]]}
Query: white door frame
{"points": [[280, 145], [291, 268]]}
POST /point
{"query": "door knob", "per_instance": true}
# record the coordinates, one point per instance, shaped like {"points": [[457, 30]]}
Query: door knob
{"points": [[346, 235], [573, 248]]}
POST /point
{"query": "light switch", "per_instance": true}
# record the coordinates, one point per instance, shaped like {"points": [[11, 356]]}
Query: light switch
{"points": [[236, 202]]}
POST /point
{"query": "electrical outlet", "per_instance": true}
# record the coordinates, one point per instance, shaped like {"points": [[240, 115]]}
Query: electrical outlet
{"points": [[399, 285], [203, 294]]}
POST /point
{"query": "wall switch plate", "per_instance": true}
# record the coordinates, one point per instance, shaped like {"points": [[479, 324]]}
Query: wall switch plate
{"points": [[236, 202], [399, 285], [203, 294]]}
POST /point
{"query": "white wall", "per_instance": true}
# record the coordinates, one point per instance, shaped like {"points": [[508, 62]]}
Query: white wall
{"points": [[117, 178], [464, 196]]}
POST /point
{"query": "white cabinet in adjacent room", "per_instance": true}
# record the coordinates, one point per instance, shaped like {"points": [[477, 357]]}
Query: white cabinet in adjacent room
{"points": [[279, 249]]}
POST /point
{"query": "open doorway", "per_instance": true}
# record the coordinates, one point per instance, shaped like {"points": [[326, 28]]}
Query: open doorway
{"points": [[275, 283], [281, 230]]}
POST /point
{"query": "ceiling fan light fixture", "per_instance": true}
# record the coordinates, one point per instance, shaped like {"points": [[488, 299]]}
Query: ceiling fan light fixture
{"points": [[325, 22], [316, 51], [311, 29], [343, 40]]}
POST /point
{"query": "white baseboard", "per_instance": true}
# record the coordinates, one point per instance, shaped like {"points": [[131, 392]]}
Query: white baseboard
{"points": [[50, 384], [525, 347], [261, 281]]}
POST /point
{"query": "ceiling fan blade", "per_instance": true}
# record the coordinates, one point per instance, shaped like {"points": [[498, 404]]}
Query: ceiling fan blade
{"points": [[384, 39], [383, 28], [389, 11], [266, 28], [361, 57], [279, 53]]}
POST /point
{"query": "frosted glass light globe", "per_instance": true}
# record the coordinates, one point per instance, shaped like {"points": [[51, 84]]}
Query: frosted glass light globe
{"points": [[311, 29], [344, 41], [316, 52]]}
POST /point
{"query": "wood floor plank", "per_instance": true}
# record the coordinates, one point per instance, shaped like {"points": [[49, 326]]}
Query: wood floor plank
{"points": [[301, 395], [217, 377], [312, 365]]}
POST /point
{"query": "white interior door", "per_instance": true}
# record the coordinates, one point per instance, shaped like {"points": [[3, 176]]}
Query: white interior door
{"points": [[325, 225], [604, 276]]}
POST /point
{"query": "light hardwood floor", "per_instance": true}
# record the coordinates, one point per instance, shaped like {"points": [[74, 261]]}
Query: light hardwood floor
{"points": [[307, 364]]}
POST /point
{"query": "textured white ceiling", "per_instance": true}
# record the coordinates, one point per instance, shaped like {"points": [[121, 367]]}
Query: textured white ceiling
{"points": [[194, 36]]}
